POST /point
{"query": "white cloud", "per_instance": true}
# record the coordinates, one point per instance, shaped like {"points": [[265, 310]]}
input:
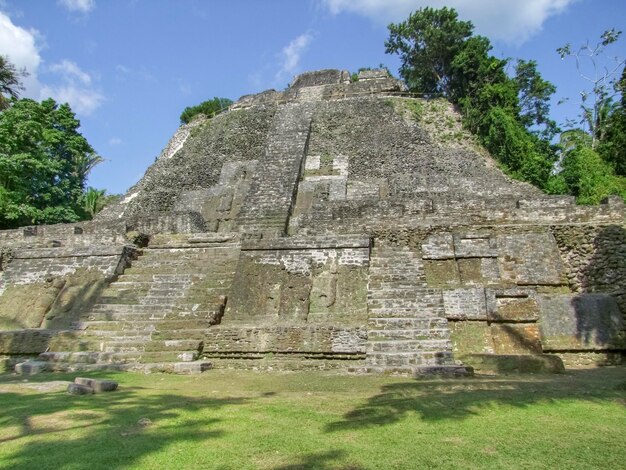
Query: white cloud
{"points": [[71, 71], [21, 46], [504, 20], [82, 100], [123, 73], [75, 88], [82, 6], [291, 54], [115, 141]]}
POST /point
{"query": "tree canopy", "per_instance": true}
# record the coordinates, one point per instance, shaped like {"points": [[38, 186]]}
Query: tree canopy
{"points": [[506, 104], [440, 54], [10, 84], [209, 108], [44, 162]]}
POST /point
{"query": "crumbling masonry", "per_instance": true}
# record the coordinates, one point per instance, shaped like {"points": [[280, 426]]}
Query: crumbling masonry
{"points": [[337, 224]]}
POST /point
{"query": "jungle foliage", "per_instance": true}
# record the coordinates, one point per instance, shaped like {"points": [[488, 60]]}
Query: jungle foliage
{"points": [[506, 104]]}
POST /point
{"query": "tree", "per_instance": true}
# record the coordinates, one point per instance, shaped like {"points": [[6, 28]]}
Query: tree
{"points": [[600, 70], [427, 42], [10, 84], [94, 200], [612, 145], [589, 177], [594, 155], [534, 98], [510, 115], [44, 162], [209, 108]]}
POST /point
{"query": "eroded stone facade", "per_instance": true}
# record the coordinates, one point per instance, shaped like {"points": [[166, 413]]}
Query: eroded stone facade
{"points": [[336, 224]]}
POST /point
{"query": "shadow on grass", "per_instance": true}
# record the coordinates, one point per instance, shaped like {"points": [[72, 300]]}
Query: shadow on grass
{"points": [[320, 461], [458, 399], [107, 430]]}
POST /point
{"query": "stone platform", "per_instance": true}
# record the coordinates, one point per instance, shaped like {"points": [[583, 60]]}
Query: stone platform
{"points": [[337, 224]]}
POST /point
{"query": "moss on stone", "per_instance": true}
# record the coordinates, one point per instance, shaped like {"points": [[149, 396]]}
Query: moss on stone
{"points": [[25, 306], [79, 294], [441, 273], [514, 364]]}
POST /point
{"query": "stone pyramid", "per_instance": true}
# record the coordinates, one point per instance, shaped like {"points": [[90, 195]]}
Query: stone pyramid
{"points": [[337, 224]]}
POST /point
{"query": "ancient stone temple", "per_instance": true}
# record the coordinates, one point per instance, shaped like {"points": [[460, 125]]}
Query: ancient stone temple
{"points": [[340, 223]]}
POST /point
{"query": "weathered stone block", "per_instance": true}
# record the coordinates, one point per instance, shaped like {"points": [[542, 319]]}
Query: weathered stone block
{"points": [[475, 246], [514, 364], [516, 338], [97, 385], [438, 246], [79, 389], [465, 304], [581, 322], [512, 305], [471, 338], [441, 272], [31, 367], [284, 339], [478, 271], [196, 367], [30, 341], [530, 258]]}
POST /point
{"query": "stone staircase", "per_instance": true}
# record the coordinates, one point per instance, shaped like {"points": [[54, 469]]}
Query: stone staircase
{"points": [[157, 312], [268, 205], [407, 329]]}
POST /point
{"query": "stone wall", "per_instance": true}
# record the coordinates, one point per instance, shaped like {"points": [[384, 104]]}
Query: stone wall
{"points": [[336, 219], [50, 287]]}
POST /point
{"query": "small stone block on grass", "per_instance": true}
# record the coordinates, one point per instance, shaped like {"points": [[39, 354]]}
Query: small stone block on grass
{"points": [[196, 367], [79, 389], [97, 385], [31, 367]]}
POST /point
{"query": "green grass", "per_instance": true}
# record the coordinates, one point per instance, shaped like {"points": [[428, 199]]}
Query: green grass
{"points": [[243, 419]]}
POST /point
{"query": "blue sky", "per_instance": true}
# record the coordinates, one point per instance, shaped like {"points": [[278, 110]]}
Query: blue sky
{"points": [[129, 68]]}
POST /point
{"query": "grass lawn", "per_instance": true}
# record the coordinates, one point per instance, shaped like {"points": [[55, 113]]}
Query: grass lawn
{"points": [[226, 419]]}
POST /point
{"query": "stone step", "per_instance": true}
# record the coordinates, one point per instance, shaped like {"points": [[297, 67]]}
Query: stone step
{"points": [[413, 279], [160, 277], [185, 255], [188, 344], [115, 296], [129, 308], [101, 346], [420, 358], [405, 310], [399, 323], [158, 306], [183, 269], [401, 346], [401, 312], [408, 334], [123, 284], [374, 286], [396, 294], [154, 316], [94, 357], [448, 371], [142, 326], [179, 334], [124, 346]]}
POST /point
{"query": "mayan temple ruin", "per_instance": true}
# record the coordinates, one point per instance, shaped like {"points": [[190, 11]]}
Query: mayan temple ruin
{"points": [[339, 224]]}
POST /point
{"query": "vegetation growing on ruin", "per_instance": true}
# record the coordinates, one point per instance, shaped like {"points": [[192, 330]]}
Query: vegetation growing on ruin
{"points": [[509, 112], [44, 159], [250, 420], [44, 163], [208, 108]]}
